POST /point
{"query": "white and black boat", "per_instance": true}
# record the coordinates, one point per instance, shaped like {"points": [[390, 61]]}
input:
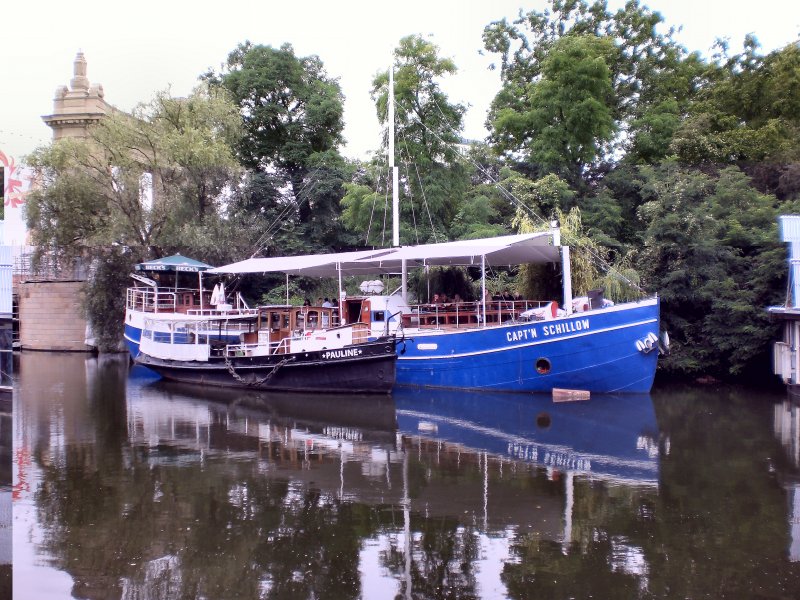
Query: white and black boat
{"points": [[283, 348]]}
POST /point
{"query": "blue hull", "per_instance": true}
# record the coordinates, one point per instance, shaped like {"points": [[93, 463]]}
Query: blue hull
{"points": [[594, 351], [132, 337]]}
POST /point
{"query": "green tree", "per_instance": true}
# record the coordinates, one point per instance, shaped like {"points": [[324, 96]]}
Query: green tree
{"points": [[292, 112], [750, 112], [712, 251], [561, 47], [563, 120]]}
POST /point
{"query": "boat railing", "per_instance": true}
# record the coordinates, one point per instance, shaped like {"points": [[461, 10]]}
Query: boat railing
{"points": [[356, 333], [185, 301], [222, 313], [468, 314], [360, 331], [148, 300]]}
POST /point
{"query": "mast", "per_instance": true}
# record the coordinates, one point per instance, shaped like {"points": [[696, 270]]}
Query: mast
{"points": [[392, 167], [396, 190]]}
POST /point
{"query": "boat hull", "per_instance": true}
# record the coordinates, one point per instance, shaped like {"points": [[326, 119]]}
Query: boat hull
{"points": [[595, 351], [362, 368]]}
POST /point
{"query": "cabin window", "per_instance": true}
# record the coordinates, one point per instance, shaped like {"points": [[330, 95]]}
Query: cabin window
{"points": [[378, 316], [543, 366]]}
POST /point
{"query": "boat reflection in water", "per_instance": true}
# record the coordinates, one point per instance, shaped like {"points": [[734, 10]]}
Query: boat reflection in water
{"points": [[423, 491], [607, 437]]}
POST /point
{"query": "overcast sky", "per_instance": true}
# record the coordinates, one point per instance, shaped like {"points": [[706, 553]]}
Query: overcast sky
{"points": [[151, 45]]}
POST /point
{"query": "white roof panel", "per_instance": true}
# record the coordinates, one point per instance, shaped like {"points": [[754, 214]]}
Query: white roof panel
{"points": [[499, 251]]}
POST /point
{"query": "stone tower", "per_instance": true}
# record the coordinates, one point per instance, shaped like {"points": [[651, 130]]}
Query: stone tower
{"points": [[77, 107]]}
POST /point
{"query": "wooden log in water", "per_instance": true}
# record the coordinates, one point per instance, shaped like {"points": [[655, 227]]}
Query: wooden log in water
{"points": [[564, 395]]}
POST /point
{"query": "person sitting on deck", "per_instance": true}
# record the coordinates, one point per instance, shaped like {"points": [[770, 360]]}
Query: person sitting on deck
{"points": [[436, 299], [327, 303]]}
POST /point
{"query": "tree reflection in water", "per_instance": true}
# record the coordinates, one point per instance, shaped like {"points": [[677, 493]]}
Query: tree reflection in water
{"points": [[146, 490]]}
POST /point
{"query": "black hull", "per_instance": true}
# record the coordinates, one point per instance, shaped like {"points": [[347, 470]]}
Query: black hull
{"points": [[364, 368]]}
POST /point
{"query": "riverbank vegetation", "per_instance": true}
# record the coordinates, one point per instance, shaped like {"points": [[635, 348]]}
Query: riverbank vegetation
{"points": [[674, 165]]}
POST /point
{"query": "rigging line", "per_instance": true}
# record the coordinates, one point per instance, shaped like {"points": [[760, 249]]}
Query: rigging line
{"points": [[411, 194], [294, 202], [302, 194], [422, 189], [374, 202], [504, 192], [274, 227]]}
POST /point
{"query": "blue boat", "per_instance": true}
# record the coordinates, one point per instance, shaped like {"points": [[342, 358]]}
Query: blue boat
{"points": [[595, 351]]}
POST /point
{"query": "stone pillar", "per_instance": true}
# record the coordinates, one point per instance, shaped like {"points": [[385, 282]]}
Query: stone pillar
{"points": [[50, 316], [77, 107]]}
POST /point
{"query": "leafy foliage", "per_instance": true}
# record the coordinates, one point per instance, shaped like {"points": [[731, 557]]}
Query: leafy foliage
{"points": [[292, 114], [711, 248], [103, 303], [137, 180]]}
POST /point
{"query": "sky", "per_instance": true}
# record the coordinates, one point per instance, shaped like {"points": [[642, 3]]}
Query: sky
{"points": [[141, 49]]}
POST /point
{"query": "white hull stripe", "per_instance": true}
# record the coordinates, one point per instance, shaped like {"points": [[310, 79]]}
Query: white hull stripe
{"points": [[529, 344]]}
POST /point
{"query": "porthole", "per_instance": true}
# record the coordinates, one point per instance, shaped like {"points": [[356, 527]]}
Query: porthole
{"points": [[543, 420], [543, 366]]}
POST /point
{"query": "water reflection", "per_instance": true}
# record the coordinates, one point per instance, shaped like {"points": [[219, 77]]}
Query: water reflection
{"points": [[787, 430], [129, 487]]}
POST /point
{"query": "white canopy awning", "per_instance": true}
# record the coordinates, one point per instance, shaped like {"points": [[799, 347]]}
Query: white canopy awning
{"points": [[314, 265], [498, 251]]}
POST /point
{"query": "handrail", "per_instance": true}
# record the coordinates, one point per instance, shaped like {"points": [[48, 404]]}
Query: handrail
{"points": [[470, 313]]}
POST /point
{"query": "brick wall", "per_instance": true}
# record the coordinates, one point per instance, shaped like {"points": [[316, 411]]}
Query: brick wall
{"points": [[50, 316]]}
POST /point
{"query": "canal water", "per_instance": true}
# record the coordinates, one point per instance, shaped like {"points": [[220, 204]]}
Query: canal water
{"points": [[127, 487]]}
